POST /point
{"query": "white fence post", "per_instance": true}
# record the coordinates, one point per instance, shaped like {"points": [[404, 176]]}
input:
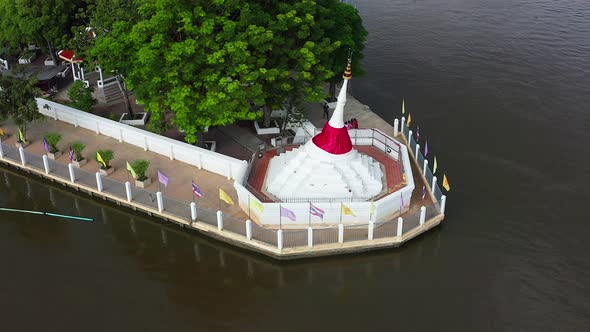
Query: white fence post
{"points": [[410, 138], [171, 152], [395, 127], [1, 151], [229, 171], [371, 229], [249, 229], [97, 128], [422, 215], [46, 163], [401, 128], [21, 151], [433, 184], [98, 182], [309, 237], [280, 239], [145, 145], [416, 152], [443, 203], [424, 166], [193, 211], [120, 135], [340, 233], [219, 220], [400, 226], [160, 201], [72, 175], [128, 191]]}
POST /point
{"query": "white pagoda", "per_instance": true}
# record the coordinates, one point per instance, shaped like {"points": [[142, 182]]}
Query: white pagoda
{"points": [[327, 166]]}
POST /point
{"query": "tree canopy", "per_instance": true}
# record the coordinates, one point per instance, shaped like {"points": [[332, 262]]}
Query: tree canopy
{"points": [[215, 62], [17, 100]]}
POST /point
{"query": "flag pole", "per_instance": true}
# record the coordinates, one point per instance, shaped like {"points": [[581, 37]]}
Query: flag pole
{"points": [[248, 205], [280, 217], [219, 197], [340, 212], [310, 214], [159, 182]]}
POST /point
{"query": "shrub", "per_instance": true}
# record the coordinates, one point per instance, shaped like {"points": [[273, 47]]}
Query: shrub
{"points": [[107, 156], [81, 96], [52, 139], [78, 147], [140, 166]]}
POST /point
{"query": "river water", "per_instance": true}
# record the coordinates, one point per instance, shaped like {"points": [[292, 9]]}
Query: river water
{"points": [[501, 91]]}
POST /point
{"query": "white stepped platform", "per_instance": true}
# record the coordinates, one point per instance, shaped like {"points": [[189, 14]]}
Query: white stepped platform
{"points": [[309, 172]]}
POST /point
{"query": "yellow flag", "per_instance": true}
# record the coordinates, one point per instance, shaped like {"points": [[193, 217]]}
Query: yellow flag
{"points": [[225, 197], [256, 205], [21, 136], [434, 167], [446, 183], [1, 132], [347, 211], [409, 119], [131, 170], [99, 158], [403, 107]]}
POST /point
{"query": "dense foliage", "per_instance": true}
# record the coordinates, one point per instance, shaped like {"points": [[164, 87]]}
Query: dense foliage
{"points": [[17, 100], [52, 139]]}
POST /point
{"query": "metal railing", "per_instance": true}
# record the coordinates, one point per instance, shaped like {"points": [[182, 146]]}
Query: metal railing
{"points": [[291, 238]]}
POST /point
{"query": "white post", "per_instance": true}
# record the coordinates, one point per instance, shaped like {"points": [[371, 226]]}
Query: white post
{"points": [[72, 175], [46, 164], [433, 183], [97, 128], [21, 151], [401, 128], [121, 135], [409, 138], [145, 145], [395, 127], [229, 171], [422, 215], [219, 220], [309, 237], [400, 226], [101, 78], [128, 191], [249, 229], [200, 163], [424, 166], [280, 239], [171, 152], [98, 182], [443, 203], [340, 233], [416, 152], [74, 72], [1, 151], [55, 114], [193, 211], [371, 229], [160, 201]]}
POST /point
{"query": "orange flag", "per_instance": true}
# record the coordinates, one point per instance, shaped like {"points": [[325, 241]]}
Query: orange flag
{"points": [[446, 183]]}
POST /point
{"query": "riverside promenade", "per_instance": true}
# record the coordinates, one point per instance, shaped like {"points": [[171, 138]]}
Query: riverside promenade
{"points": [[182, 163]]}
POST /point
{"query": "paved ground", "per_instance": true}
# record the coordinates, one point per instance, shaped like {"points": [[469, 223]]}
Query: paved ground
{"points": [[179, 173]]}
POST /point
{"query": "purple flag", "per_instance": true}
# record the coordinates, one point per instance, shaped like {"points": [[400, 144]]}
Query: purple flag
{"points": [[418, 133], [163, 179], [71, 154], [426, 149], [45, 145], [288, 213]]}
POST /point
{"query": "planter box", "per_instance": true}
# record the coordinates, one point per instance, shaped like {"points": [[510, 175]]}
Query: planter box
{"points": [[267, 131], [106, 172], [140, 120], [21, 144], [25, 59], [54, 155], [143, 184], [49, 62], [80, 163]]}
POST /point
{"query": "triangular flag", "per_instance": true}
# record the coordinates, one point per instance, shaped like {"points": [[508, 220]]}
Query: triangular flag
{"points": [[225, 197], [418, 133], [409, 120], [434, 167], [426, 149], [347, 211], [446, 183], [256, 205], [403, 106], [100, 160], [131, 170], [1, 132], [21, 136], [288, 213], [45, 145], [71, 154]]}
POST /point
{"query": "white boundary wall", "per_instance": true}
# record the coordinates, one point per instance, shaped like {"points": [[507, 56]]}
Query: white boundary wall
{"points": [[203, 159], [386, 208]]}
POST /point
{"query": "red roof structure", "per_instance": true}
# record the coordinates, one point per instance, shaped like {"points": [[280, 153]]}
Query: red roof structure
{"points": [[69, 56]]}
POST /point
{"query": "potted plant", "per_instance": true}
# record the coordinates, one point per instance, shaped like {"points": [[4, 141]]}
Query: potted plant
{"points": [[141, 166], [103, 157], [52, 139], [79, 160]]}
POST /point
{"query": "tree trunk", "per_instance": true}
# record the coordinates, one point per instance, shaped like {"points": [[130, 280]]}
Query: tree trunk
{"points": [[332, 89], [200, 140], [267, 113], [52, 53], [125, 98]]}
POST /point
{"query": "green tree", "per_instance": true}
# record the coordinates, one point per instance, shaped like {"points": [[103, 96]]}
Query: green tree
{"points": [[47, 22], [17, 99], [81, 96]]}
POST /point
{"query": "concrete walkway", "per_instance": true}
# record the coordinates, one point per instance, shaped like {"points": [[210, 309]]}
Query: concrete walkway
{"points": [[179, 173]]}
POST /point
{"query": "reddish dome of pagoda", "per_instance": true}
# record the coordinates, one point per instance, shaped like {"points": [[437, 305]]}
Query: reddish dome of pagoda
{"points": [[333, 140]]}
